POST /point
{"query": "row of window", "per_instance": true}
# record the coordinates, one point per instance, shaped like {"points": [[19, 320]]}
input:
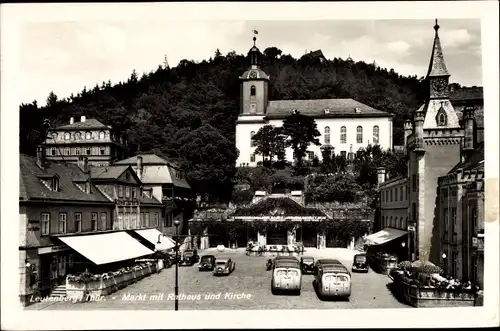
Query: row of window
{"points": [[130, 220], [392, 222], [395, 194], [63, 222], [82, 135], [54, 151], [310, 155], [445, 192], [453, 212], [343, 135]]}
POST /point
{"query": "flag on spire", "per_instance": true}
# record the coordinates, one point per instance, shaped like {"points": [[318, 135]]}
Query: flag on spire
{"points": [[255, 32]]}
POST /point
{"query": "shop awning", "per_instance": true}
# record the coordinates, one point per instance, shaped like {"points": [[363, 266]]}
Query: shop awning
{"points": [[152, 235], [107, 247], [384, 236]]}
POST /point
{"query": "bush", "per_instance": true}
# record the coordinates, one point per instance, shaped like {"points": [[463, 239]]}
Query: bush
{"points": [[242, 197]]}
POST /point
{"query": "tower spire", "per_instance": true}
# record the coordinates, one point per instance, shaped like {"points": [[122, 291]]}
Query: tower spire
{"points": [[437, 67]]}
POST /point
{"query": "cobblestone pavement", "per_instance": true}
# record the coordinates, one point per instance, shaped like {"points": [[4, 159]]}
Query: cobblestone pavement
{"points": [[250, 281]]}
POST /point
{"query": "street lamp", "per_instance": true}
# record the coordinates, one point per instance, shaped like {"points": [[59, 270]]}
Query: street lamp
{"points": [[445, 264], [177, 223]]}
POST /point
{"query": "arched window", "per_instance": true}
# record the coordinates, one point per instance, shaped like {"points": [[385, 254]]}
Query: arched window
{"points": [[66, 136], [252, 158], [252, 142], [77, 136], [101, 135], [376, 134], [343, 135], [88, 135], [441, 119], [401, 222], [390, 222], [327, 134], [359, 135], [253, 91]]}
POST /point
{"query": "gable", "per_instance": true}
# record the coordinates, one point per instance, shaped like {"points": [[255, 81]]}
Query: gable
{"points": [[440, 106], [129, 176]]}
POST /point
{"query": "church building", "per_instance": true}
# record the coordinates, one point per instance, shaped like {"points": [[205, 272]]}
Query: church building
{"points": [[345, 124], [439, 204]]}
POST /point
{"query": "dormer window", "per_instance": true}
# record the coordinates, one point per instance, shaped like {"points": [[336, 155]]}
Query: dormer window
{"points": [[441, 117], [54, 184], [357, 110], [295, 111], [327, 111]]}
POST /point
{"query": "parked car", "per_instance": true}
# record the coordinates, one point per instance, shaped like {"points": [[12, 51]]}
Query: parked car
{"points": [[223, 267], [207, 262], [307, 265], [360, 263], [332, 279], [189, 257], [287, 276]]}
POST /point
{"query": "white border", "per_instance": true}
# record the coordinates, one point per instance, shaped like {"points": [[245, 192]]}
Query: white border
{"points": [[12, 16]]}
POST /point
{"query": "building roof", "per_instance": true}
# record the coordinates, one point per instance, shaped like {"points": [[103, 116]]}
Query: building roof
{"points": [[473, 161], [31, 186], [323, 108], [437, 67], [314, 54], [392, 181], [109, 172], [87, 125], [147, 159], [466, 93], [156, 170], [277, 207], [260, 74]]}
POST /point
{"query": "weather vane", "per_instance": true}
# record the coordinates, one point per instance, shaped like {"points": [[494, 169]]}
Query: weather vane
{"points": [[255, 32]]}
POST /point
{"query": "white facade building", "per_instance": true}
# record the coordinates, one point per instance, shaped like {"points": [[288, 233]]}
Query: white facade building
{"points": [[345, 124]]}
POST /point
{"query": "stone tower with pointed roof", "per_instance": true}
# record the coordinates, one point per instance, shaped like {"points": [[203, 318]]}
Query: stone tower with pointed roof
{"points": [[436, 142]]}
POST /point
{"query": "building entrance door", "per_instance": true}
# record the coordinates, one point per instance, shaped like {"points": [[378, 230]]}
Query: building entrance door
{"points": [[277, 236], [309, 237]]}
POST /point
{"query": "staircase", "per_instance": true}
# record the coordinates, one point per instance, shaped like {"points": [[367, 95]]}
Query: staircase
{"points": [[58, 291]]}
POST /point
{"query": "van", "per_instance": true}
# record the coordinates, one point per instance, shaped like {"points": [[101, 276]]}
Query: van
{"points": [[286, 276], [332, 280]]}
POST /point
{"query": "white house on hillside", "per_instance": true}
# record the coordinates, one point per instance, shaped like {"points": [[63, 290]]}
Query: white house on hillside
{"points": [[345, 124]]}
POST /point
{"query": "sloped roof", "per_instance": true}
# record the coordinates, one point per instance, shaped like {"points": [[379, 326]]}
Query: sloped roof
{"points": [[316, 108], [88, 124], [432, 107], [466, 93], [472, 161], [31, 186], [277, 207], [147, 159], [109, 172], [437, 67]]}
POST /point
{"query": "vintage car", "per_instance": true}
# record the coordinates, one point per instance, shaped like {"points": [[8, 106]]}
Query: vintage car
{"points": [[287, 275], [360, 263], [223, 266], [189, 257], [307, 265], [207, 262], [332, 280]]}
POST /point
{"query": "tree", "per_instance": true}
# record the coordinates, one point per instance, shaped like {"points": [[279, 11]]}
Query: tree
{"points": [[269, 142], [301, 131], [52, 100], [209, 159]]}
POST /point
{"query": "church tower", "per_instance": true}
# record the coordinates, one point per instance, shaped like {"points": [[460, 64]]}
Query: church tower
{"points": [[254, 85], [253, 105], [435, 147]]}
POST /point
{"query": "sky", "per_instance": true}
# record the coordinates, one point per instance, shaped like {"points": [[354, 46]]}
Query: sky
{"points": [[65, 56]]}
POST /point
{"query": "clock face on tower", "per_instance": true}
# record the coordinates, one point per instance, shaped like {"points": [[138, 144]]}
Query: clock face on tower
{"points": [[253, 74], [438, 86]]}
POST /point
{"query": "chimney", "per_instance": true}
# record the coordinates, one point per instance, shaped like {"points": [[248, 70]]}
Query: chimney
{"points": [[82, 119], [83, 163], [380, 175], [71, 120], [139, 167], [39, 156]]}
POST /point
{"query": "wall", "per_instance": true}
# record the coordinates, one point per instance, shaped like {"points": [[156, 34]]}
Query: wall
{"points": [[439, 160], [33, 213], [385, 136], [395, 213], [260, 98], [243, 140]]}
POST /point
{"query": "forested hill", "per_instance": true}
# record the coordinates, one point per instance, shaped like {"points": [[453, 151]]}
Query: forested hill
{"points": [[188, 113]]}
